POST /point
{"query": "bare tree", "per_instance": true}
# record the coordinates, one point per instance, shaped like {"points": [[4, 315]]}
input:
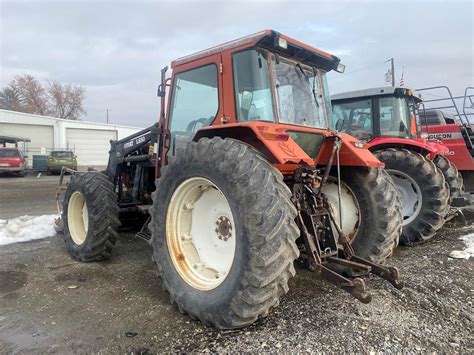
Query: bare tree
{"points": [[65, 100], [10, 99], [32, 93], [26, 94]]}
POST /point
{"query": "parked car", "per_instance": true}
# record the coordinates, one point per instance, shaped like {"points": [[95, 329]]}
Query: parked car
{"points": [[12, 160], [59, 158]]}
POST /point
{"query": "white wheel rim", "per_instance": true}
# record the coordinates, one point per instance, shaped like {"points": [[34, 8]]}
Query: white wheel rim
{"points": [[350, 207], [200, 233], [78, 218], [410, 195]]}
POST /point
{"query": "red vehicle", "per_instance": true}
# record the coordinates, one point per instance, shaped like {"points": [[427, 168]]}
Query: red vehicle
{"points": [[384, 119], [442, 120], [12, 160]]}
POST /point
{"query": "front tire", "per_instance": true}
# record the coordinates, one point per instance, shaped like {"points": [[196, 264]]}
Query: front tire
{"points": [[90, 217], [221, 284], [423, 191]]}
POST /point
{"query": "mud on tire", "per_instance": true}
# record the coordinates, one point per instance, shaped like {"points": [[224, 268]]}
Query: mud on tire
{"points": [[428, 217], [100, 230], [265, 232]]}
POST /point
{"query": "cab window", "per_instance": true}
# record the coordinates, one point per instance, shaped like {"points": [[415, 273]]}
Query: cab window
{"points": [[354, 117], [253, 96], [195, 100], [394, 117]]}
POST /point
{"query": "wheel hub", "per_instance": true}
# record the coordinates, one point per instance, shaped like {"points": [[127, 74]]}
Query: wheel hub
{"points": [[350, 208], [198, 213], [78, 218], [224, 228], [410, 195]]}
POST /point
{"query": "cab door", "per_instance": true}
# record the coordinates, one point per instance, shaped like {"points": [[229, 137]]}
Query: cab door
{"points": [[196, 92]]}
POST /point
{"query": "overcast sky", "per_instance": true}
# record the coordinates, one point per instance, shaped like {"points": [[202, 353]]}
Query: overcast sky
{"points": [[115, 49]]}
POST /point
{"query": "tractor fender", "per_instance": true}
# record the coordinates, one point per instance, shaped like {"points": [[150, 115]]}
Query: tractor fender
{"points": [[419, 145], [281, 150], [273, 143], [352, 153]]}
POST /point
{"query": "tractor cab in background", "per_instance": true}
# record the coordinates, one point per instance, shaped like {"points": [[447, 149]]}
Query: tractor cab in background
{"points": [[387, 112], [385, 119]]}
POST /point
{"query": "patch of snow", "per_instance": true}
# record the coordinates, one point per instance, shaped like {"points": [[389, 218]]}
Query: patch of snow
{"points": [[468, 240], [24, 228]]}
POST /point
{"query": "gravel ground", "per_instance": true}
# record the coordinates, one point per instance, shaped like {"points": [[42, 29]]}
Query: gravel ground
{"points": [[51, 303]]}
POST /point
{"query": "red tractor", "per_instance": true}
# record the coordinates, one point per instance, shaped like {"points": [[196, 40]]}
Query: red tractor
{"points": [[385, 119], [442, 119], [236, 179]]}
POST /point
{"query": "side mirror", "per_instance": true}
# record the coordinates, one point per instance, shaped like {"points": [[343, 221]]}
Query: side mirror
{"points": [[162, 87], [161, 90]]}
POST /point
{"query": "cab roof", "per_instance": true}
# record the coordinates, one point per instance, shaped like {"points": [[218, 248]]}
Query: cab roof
{"points": [[379, 91], [269, 39]]}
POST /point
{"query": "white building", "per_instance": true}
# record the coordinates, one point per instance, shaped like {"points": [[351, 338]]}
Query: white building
{"points": [[90, 141]]}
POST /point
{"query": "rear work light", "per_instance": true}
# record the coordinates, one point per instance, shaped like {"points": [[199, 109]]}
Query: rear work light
{"points": [[282, 43], [341, 68]]}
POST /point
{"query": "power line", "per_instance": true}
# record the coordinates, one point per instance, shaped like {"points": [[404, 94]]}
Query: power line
{"points": [[357, 70]]}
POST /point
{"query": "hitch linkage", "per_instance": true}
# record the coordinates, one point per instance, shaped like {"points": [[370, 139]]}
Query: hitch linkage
{"points": [[329, 250]]}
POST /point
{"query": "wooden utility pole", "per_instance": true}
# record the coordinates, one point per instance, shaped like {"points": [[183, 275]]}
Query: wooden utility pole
{"points": [[392, 70]]}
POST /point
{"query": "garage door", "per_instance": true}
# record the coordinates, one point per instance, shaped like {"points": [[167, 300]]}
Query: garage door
{"points": [[90, 145], [42, 137]]}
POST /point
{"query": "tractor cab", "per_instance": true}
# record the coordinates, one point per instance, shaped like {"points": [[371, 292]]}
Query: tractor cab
{"points": [[377, 112], [266, 89]]}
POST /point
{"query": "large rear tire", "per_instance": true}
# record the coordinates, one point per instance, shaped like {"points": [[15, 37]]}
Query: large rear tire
{"points": [[90, 217], [451, 175], [423, 191], [223, 232], [371, 214]]}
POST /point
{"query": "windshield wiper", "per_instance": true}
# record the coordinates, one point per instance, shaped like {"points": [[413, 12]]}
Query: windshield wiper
{"points": [[313, 87]]}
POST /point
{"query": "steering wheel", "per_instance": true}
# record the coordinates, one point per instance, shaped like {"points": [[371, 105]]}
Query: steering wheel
{"points": [[191, 127]]}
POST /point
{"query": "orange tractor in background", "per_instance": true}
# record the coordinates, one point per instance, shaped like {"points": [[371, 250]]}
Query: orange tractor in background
{"points": [[240, 177]]}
